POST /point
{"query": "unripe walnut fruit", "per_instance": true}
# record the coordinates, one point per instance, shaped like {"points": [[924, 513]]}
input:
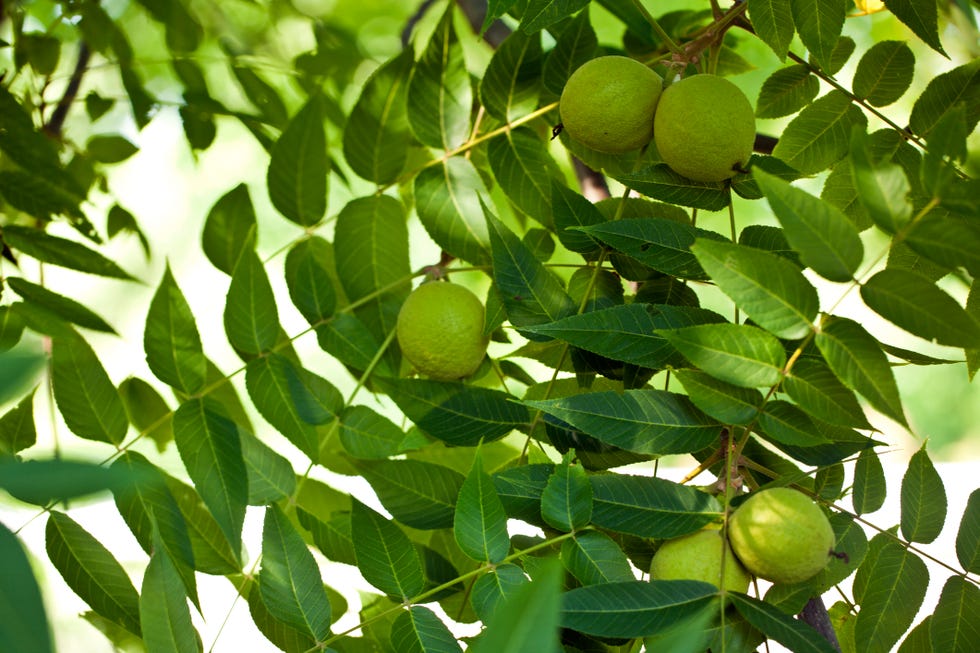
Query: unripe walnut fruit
{"points": [[704, 128], [608, 104], [440, 330], [781, 535], [699, 556]]}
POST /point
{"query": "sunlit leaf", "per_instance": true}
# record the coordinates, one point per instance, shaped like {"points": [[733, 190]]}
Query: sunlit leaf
{"points": [[250, 318], [594, 558], [419, 630], [376, 137], [60, 251], [813, 386], [739, 354], [17, 430], [566, 503], [923, 500], [968, 535], [439, 93], [447, 199], [309, 279], [819, 25], [417, 493], [511, 82], [819, 135], [921, 16], [944, 92], [525, 171], [890, 587], [528, 618], [164, 614], [789, 632], [58, 304], [787, 90], [270, 476], [884, 72], [826, 240]]}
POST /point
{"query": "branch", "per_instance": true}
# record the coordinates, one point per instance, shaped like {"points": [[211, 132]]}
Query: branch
{"points": [[592, 183], [815, 614], [57, 120], [476, 11]]}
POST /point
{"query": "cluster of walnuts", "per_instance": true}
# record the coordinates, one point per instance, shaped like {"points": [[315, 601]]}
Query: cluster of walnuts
{"points": [[703, 126]]}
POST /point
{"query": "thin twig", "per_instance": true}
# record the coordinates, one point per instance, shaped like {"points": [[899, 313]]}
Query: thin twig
{"points": [[57, 120]]}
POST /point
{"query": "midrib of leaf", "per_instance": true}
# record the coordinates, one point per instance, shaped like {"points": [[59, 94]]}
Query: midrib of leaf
{"points": [[287, 561], [388, 558], [86, 389], [453, 197], [765, 289], [893, 597]]}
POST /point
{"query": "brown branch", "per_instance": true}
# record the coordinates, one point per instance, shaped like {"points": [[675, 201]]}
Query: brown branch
{"points": [[413, 20], [57, 120], [815, 614], [592, 183]]}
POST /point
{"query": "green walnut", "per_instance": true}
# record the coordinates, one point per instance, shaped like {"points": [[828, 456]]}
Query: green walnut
{"points": [[440, 330], [699, 556], [704, 128], [781, 535], [608, 104]]}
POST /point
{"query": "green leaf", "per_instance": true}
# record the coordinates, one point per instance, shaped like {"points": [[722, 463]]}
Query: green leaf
{"points": [[120, 220], [376, 137], [293, 400], [270, 476], [628, 333], [572, 210], [309, 279], [262, 95], [520, 489], [371, 249], [512, 80], [454, 413], [171, 340], [575, 45], [869, 491], [290, 579], [60, 305], [948, 241], [947, 139], [42, 481], [17, 430], [893, 583], [788, 425], [152, 514], [298, 167], [727, 403], [773, 22], [769, 288], [23, 622], [884, 73], [419, 630], [566, 503], [649, 507], [366, 434], [882, 187], [540, 14], [250, 318], [662, 183], [385, 556], [923, 500], [968, 535], [739, 354], [633, 608], [212, 552], [417, 493], [819, 25], [594, 558], [826, 240], [856, 358], [110, 148], [229, 229], [347, 338], [480, 525], [11, 327], [813, 386], [912, 302], [86, 397], [953, 626], [819, 135], [662, 244], [527, 620], [164, 615], [921, 16], [495, 587], [91, 571], [447, 200], [211, 451], [439, 94], [525, 171], [646, 421], [944, 92], [147, 411], [60, 251], [791, 633], [786, 91]]}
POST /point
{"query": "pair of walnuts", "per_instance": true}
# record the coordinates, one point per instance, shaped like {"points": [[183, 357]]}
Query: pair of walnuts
{"points": [[703, 126]]}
